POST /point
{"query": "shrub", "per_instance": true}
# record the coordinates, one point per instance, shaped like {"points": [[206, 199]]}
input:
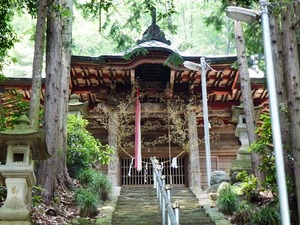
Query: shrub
{"points": [[228, 200], [249, 185], [87, 202], [268, 215], [85, 176], [243, 214], [83, 149], [97, 181], [101, 185], [264, 147], [36, 195]]}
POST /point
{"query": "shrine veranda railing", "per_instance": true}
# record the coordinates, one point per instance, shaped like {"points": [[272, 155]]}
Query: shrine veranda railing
{"points": [[131, 177]]}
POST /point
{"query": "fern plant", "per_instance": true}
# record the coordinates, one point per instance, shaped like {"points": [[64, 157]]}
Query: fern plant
{"points": [[87, 201], [243, 214], [228, 201], [101, 185], [268, 215], [97, 181]]}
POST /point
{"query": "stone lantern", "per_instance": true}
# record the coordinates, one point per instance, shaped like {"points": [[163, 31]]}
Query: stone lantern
{"points": [[19, 147], [243, 160]]}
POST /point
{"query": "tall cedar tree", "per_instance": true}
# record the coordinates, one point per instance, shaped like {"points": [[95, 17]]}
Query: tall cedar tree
{"points": [[37, 67], [52, 172]]}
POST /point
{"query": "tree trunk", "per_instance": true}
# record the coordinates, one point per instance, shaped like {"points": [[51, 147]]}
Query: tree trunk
{"points": [[246, 92], [291, 72], [52, 172], [280, 76], [38, 65], [65, 77]]}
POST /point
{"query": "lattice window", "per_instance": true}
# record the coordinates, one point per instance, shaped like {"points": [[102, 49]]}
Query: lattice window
{"points": [[143, 179]]}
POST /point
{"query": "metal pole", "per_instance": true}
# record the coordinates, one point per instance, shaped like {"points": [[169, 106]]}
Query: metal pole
{"points": [[277, 142], [163, 210], [176, 208], [168, 189], [157, 184], [154, 177], [161, 197], [205, 119]]}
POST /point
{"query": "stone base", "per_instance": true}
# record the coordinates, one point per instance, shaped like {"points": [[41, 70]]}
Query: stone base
{"points": [[116, 190], [15, 223], [9, 214], [244, 155], [239, 166]]}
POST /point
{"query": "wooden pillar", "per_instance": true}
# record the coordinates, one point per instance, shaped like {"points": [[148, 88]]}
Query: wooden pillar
{"points": [[114, 165], [194, 158]]}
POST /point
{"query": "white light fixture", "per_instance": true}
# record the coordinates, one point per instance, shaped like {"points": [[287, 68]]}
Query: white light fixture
{"points": [[192, 65], [242, 14]]}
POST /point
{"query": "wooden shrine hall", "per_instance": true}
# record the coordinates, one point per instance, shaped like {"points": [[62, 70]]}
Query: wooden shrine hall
{"points": [[171, 109]]}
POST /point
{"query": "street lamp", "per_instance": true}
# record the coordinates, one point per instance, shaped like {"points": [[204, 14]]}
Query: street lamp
{"points": [[197, 67], [249, 16]]}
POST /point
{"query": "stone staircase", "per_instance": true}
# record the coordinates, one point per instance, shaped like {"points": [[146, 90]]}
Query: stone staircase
{"points": [[139, 206]]}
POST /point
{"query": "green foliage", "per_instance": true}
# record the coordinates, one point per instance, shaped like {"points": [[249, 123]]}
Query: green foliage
{"points": [[101, 185], [92, 8], [135, 52], [8, 36], [252, 32], [264, 147], [174, 60], [30, 5], [87, 202], [96, 181], [3, 192], [228, 201], [150, 5], [215, 19], [268, 215], [250, 183], [243, 214], [127, 23], [85, 176], [36, 195], [16, 106], [83, 149]]}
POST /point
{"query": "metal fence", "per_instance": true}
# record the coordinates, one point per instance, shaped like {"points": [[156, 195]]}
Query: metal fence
{"points": [[164, 195]]}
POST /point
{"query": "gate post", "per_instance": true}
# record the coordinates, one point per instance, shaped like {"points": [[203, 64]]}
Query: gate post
{"points": [[114, 165], [194, 172]]}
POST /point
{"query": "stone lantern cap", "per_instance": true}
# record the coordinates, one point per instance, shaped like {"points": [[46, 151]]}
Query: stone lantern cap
{"points": [[76, 106], [22, 134], [236, 111]]}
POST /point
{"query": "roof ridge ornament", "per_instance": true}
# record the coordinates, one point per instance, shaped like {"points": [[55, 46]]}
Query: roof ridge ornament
{"points": [[154, 32]]}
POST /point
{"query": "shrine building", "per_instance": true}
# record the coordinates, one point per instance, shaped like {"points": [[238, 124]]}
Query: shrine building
{"points": [[172, 127]]}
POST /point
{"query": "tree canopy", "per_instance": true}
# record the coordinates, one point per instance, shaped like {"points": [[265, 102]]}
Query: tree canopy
{"points": [[112, 29]]}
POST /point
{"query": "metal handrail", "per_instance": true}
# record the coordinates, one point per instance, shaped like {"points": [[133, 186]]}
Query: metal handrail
{"points": [[173, 218]]}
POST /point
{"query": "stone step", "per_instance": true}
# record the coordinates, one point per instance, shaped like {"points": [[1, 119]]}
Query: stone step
{"points": [[190, 212], [139, 206]]}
